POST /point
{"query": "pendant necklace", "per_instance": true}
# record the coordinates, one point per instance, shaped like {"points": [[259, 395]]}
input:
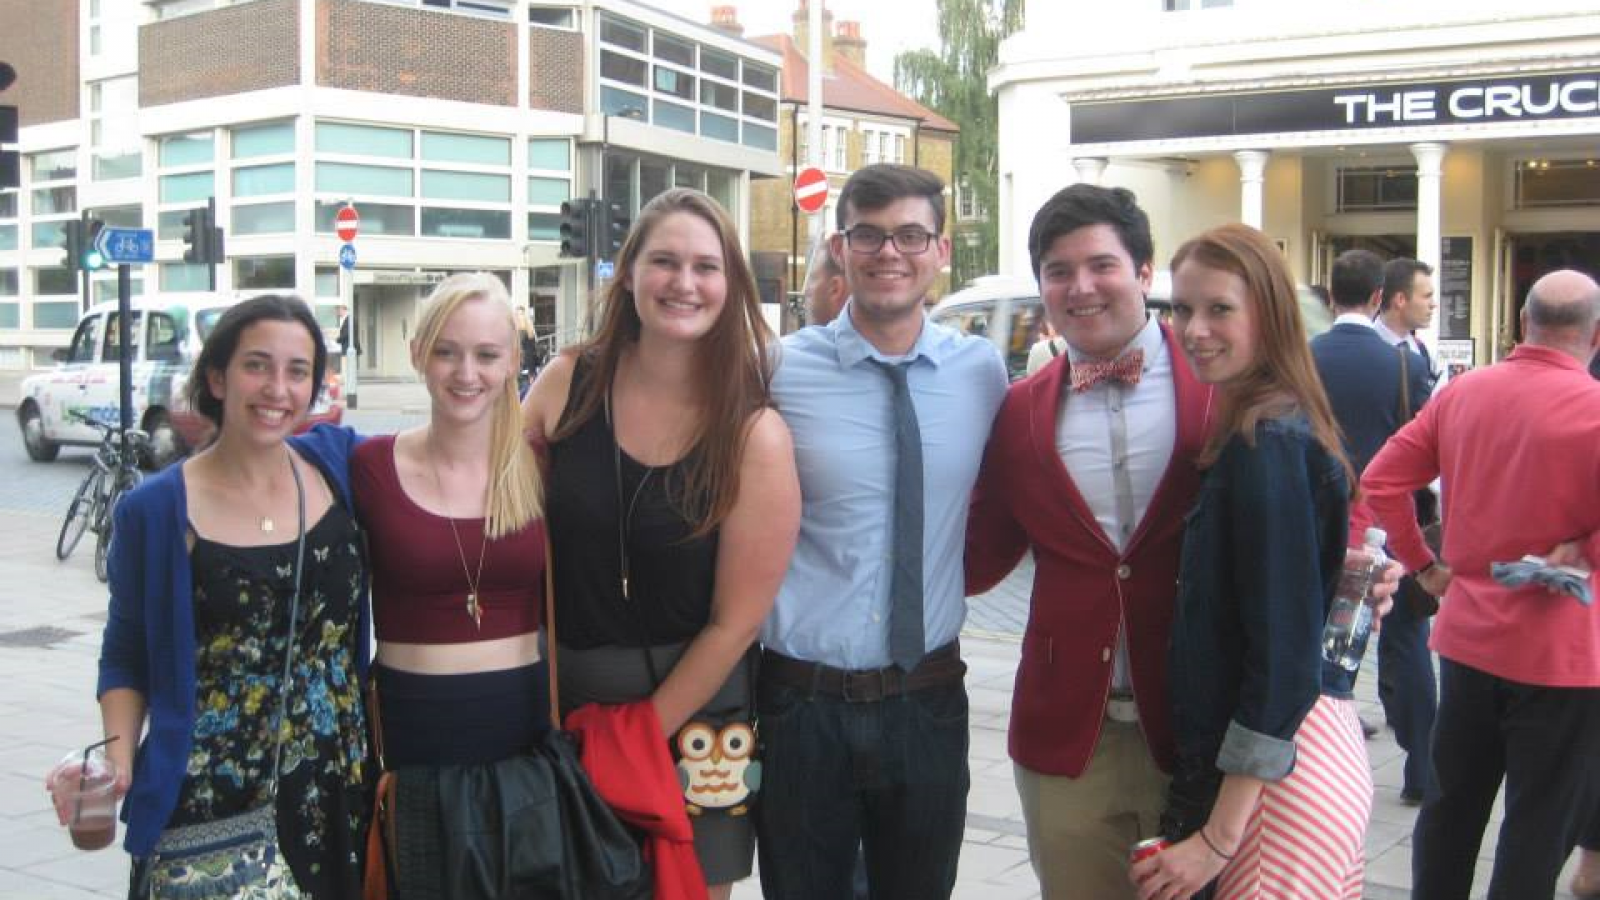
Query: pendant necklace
{"points": [[474, 609], [265, 524]]}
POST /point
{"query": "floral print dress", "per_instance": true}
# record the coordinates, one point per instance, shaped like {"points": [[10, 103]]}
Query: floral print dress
{"points": [[242, 598]]}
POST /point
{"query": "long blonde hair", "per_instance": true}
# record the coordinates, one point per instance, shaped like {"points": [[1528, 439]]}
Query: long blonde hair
{"points": [[516, 490]]}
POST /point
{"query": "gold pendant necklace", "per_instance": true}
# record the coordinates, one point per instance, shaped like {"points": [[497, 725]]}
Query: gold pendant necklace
{"points": [[474, 609], [266, 524]]}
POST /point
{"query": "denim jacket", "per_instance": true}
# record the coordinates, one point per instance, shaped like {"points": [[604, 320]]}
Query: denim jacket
{"points": [[1262, 553]]}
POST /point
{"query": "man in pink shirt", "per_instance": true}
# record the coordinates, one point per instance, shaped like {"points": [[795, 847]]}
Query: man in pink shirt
{"points": [[1517, 446]]}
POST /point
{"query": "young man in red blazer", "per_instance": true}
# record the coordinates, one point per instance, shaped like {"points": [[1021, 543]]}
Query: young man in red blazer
{"points": [[1091, 464]]}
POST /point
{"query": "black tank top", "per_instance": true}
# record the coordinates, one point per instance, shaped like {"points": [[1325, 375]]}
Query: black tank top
{"points": [[671, 575]]}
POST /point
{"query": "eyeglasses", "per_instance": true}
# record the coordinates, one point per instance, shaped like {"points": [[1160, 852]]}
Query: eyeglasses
{"points": [[868, 240]]}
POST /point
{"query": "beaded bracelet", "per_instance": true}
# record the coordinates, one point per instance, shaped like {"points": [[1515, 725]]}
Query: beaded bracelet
{"points": [[1207, 839]]}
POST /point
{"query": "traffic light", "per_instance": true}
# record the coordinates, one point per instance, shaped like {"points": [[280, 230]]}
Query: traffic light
{"points": [[74, 233], [198, 234], [614, 224], [91, 259], [576, 222]]}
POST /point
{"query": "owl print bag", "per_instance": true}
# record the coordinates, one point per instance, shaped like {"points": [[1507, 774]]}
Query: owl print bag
{"points": [[715, 750]]}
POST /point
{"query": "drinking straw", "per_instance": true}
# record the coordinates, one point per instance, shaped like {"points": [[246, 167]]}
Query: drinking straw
{"points": [[83, 773]]}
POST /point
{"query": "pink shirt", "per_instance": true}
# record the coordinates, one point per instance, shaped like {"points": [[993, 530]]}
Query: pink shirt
{"points": [[1518, 448]]}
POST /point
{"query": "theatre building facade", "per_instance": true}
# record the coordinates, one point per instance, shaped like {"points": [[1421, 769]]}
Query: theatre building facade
{"points": [[1465, 134]]}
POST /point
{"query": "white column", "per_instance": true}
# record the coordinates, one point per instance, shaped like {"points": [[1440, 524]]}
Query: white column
{"points": [[1090, 168], [1252, 173], [1430, 160]]}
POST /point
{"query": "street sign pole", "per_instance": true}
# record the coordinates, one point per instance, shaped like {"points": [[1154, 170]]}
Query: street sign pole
{"points": [[125, 351], [352, 360]]}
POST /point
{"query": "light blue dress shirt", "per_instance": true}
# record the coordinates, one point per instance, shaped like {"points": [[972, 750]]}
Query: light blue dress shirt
{"points": [[833, 607]]}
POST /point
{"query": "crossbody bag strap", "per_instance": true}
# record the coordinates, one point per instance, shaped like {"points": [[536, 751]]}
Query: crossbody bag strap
{"points": [[294, 615], [550, 629], [1405, 386]]}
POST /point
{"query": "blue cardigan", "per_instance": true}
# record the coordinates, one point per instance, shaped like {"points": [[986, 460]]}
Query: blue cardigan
{"points": [[149, 642]]}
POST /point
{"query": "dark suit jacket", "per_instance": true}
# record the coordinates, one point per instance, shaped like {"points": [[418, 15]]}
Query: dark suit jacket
{"points": [[1083, 590], [1361, 374], [347, 335]]}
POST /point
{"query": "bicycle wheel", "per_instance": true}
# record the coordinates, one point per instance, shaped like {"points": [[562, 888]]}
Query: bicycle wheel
{"points": [[80, 513], [128, 479]]}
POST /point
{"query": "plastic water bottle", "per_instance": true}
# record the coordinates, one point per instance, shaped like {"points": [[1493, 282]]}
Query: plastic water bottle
{"points": [[1344, 638]]}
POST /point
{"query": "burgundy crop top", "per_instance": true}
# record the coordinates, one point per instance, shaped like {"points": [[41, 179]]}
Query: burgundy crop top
{"points": [[419, 590]]}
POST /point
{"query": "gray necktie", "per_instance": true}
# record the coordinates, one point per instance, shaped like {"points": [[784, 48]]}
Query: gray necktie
{"points": [[905, 588]]}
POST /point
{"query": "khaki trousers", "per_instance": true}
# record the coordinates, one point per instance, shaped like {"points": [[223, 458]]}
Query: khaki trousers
{"points": [[1081, 829]]}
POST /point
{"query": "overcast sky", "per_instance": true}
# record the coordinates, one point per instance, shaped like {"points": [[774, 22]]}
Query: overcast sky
{"points": [[889, 26]]}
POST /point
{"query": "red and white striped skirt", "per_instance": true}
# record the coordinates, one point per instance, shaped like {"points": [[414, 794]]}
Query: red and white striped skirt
{"points": [[1306, 839]]}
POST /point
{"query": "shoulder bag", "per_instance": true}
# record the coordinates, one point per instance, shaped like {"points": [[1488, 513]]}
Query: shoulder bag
{"points": [[238, 856], [531, 827]]}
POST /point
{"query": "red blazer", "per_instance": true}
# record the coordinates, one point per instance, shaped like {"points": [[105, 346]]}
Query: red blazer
{"points": [[1082, 588]]}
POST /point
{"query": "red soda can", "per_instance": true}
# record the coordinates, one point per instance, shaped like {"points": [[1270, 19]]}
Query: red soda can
{"points": [[1147, 848]]}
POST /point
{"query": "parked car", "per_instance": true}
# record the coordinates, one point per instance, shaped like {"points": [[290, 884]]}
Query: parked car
{"points": [[166, 333], [1008, 311]]}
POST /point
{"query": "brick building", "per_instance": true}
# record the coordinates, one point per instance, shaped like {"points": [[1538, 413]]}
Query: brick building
{"points": [[864, 121], [456, 127]]}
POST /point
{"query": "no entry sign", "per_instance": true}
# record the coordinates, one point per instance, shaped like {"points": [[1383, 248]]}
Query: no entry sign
{"points": [[811, 190], [346, 223]]}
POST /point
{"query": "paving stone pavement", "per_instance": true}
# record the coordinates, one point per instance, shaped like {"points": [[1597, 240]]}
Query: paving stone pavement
{"points": [[51, 615]]}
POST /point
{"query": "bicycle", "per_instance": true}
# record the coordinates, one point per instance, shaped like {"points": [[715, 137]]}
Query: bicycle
{"points": [[111, 475]]}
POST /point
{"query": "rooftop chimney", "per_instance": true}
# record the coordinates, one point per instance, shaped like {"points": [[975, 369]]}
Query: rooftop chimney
{"points": [[802, 34], [849, 43], [726, 19]]}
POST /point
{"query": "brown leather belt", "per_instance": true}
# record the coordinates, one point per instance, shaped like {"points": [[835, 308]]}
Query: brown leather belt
{"points": [[942, 666]]}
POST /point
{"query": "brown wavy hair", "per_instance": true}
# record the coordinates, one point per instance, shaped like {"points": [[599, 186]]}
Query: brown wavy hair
{"points": [[733, 365], [1283, 376]]}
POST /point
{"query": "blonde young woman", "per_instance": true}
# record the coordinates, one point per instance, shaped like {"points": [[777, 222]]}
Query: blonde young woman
{"points": [[673, 502], [452, 511]]}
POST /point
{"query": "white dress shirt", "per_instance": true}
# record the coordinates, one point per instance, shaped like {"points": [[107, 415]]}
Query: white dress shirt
{"points": [[1116, 442]]}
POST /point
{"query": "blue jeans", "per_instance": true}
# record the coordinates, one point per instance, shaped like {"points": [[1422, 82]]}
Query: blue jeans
{"points": [[889, 776], [1409, 693], [1541, 741]]}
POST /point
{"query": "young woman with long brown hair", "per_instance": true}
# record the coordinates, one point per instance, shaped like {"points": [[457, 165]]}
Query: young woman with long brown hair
{"points": [[673, 504], [1273, 790]]}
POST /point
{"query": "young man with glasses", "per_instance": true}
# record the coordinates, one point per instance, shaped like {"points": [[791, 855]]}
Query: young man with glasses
{"points": [[862, 705]]}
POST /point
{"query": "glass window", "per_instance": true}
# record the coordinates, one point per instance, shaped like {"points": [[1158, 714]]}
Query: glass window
{"points": [[761, 77], [55, 280], [327, 281], [1369, 188], [8, 204], [263, 140], [188, 149], [671, 115], [113, 343], [722, 96], [348, 178], [117, 149], [614, 102], [8, 237], [548, 191], [721, 64], [552, 16], [617, 67], [10, 315], [254, 181], [263, 272], [544, 226], [760, 107], [163, 342], [8, 282], [114, 166], [470, 186], [671, 81], [549, 154], [363, 140], [186, 188], [652, 180], [760, 136], [104, 290], [55, 201], [619, 180], [465, 223], [1557, 182], [689, 177], [622, 33], [720, 127], [672, 49], [466, 148], [54, 165], [264, 218], [169, 224], [376, 218], [723, 186], [48, 235], [55, 315], [185, 277]]}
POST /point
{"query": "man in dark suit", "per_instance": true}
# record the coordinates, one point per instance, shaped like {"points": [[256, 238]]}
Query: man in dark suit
{"points": [[1363, 376], [347, 335]]}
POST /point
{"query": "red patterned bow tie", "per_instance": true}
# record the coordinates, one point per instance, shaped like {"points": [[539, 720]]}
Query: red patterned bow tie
{"points": [[1125, 368]]}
